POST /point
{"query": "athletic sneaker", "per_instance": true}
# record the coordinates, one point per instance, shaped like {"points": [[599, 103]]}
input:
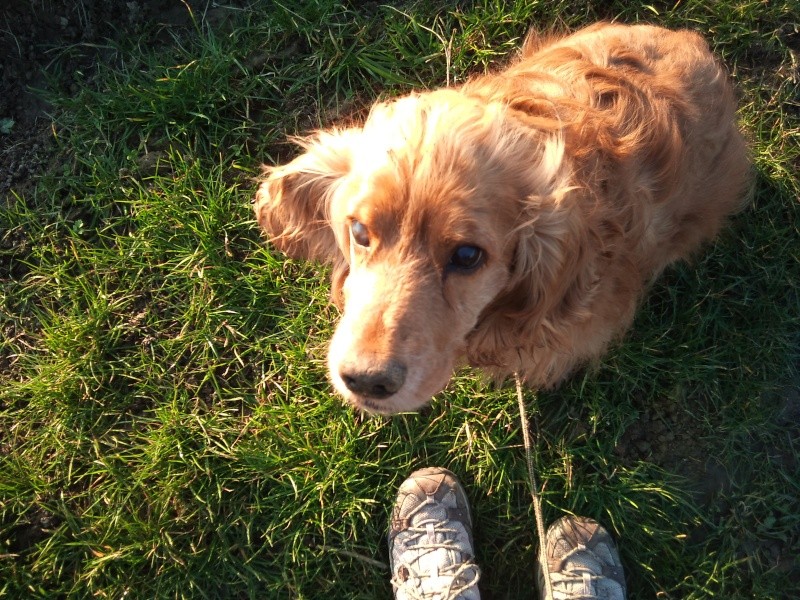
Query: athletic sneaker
{"points": [[583, 562], [430, 539]]}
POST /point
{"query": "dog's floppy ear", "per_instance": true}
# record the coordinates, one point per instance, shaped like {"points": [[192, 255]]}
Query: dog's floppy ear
{"points": [[555, 275], [293, 204], [550, 268], [552, 273]]}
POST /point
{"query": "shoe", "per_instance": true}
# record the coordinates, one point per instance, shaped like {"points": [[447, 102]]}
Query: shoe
{"points": [[430, 539], [582, 561]]}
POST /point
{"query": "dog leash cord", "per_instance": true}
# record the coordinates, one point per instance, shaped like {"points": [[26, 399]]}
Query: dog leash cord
{"points": [[537, 502]]}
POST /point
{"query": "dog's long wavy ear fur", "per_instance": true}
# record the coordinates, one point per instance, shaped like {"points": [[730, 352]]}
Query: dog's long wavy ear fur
{"points": [[551, 279], [293, 204]]}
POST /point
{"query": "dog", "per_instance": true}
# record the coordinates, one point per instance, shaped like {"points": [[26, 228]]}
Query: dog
{"points": [[513, 222]]}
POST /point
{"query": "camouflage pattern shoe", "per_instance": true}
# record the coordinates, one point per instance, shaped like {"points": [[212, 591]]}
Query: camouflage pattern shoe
{"points": [[430, 539], [582, 561]]}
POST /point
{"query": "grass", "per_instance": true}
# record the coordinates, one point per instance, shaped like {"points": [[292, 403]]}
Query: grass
{"points": [[165, 423]]}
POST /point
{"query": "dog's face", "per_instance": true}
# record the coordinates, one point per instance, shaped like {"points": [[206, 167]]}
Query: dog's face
{"points": [[418, 211], [425, 258]]}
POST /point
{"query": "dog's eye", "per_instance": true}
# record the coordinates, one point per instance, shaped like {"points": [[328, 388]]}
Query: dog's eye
{"points": [[466, 258], [360, 234]]}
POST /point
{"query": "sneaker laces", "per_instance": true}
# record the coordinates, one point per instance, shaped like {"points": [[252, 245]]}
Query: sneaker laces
{"points": [[577, 580], [462, 575]]}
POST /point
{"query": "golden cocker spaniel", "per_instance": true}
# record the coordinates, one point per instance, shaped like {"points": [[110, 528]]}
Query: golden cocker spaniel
{"points": [[513, 222]]}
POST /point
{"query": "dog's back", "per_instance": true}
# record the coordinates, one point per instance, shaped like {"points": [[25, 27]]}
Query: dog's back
{"points": [[654, 113], [676, 72], [648, 119]]}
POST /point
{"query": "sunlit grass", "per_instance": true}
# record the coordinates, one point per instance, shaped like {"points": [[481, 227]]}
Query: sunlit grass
{"points": [[165, 422]]}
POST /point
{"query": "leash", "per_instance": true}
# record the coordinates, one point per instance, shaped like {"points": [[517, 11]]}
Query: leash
{"points": [[537, 501]]}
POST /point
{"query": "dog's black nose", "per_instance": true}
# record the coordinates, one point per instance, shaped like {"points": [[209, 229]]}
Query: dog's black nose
{"points": [[376, 381]]}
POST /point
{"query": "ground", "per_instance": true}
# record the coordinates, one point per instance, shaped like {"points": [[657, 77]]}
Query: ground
{"points": [[58, 43], [33, 40]]}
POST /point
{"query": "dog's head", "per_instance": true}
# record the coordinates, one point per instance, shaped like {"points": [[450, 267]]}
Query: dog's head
{"points": [[440, 218]]}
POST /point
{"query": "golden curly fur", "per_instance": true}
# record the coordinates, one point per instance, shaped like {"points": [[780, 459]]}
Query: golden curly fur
{"points": [[513, 222]]}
